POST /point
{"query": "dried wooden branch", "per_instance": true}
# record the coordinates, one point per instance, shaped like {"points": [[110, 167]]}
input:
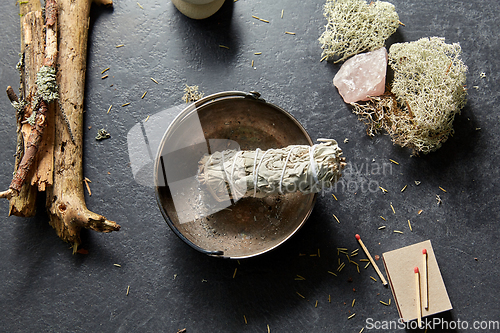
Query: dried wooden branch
{"points": [[32, 55], [65, 32], [46, 93], [31, 148]]}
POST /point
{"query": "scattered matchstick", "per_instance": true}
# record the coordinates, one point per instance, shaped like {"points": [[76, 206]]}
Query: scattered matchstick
{"points": [[419, 309], [425, 278], [371, 260]]}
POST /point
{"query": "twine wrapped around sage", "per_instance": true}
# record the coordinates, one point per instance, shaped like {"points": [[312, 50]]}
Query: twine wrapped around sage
{"points": [[259, 173]]}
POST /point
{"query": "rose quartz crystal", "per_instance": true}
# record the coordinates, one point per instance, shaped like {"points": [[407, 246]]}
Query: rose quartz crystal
{"points": [[362, 75]]}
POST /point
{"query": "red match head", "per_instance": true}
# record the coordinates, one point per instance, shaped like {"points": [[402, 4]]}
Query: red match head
{"points": [[415, 269], [424, 251], [358, 237]]}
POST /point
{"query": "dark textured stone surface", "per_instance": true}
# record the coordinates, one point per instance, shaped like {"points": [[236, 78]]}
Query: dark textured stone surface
{"points": [[46, 288]]}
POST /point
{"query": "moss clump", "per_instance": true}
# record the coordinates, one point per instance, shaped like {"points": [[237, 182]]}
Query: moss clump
{"points": [[355, 26], [192, 94], [102, 134], [426, 94]]}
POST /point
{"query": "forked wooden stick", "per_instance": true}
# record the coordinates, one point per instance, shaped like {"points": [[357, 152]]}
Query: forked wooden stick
{"points": [[66, 25]]}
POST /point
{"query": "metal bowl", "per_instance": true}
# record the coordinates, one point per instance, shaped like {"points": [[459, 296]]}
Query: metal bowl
{"points": [[249, 226]]}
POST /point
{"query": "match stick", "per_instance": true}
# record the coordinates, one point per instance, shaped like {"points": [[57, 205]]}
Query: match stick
{"points": [[371, 260], [425, 277], [419, 304]]}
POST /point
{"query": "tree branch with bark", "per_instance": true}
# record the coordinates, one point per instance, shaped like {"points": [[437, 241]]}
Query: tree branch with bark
{"points": [[49, 116]]}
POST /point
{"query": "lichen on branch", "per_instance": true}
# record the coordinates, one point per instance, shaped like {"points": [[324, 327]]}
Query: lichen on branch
{"points": [[47, 84]]}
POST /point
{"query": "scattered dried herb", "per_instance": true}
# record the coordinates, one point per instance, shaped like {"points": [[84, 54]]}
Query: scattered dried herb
{"points": [[102, 134]]}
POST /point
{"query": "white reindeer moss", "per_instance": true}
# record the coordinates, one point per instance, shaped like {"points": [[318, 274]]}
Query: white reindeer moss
{"points": [[355, 26], [427, 92]]}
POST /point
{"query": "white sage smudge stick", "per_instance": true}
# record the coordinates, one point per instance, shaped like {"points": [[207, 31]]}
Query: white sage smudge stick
{"points": [[259, 173]]}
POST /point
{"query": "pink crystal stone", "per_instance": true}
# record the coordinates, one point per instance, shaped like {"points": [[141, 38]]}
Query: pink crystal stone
{"points": [[362, 75]]}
